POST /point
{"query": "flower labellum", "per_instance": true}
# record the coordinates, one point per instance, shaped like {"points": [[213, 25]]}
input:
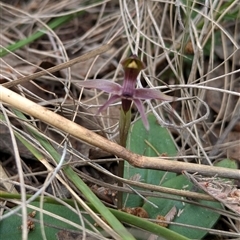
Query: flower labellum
{"points": [[128, 93], [132, 67]]}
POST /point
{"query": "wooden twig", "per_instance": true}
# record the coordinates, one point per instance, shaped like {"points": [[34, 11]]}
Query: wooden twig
{"points": [[61, 66], [17, 101]]}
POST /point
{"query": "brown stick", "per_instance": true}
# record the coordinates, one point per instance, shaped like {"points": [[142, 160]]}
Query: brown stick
{"points": [[15, 100], [70, 63]]}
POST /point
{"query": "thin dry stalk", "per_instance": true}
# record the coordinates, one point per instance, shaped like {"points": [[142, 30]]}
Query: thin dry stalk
{"points": [[15, 100]]}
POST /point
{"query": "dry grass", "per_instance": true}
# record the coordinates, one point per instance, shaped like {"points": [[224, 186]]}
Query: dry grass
{"points": [[191, 50]]}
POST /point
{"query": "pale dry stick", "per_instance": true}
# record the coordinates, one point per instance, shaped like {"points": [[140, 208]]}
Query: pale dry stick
{"points": [[163, 46], [20, 174], [212, 69], [138, 28], [16, 101], [126, 23], [198, 62], [64, 54], [212, 231], [199, 86], [184, 125], [70, 63], [48, 30], [178, 12], [51, 11], [47, 182], [150, 187], [63, 220], [143, 35]]}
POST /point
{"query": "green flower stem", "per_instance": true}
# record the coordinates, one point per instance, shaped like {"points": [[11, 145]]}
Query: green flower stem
{"points": [[124, 126]]}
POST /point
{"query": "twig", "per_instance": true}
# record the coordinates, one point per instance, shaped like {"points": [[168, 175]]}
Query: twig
{"points": [[15, 100], [61, 66]]}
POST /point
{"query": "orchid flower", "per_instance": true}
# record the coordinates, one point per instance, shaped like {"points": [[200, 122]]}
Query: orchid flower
{"points": [[128, 93]]}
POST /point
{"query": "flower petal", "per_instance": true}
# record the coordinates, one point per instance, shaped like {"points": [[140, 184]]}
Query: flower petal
{"points": [[141, 110], [104, 85], [146, 93], [112, 99]]}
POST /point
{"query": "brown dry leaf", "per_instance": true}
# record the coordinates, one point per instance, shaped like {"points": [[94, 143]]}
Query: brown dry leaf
{"points": [[222, 190], [168, 217], [105, 194], [138, 211], [71, 235], [161, 221], [30, 222]]}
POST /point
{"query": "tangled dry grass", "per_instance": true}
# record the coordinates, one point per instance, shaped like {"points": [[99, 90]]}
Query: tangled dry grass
{"points": [[191, 50]]}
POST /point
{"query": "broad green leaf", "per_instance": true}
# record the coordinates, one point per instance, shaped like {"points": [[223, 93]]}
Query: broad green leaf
{"points": [[189, 214], [150, 143], [227, 163], [10, 228]]}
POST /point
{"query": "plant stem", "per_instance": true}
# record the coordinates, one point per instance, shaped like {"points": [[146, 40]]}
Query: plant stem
{"points": [[124, 126]]}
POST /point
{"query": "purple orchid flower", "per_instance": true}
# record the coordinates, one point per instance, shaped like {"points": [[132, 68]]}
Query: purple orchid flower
{"points": [[128, 93]]}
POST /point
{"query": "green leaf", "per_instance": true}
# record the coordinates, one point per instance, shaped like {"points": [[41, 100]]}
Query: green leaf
{"points": [[10, 228], [188, 213], [14, 222], [227, 163], [150, 143]]}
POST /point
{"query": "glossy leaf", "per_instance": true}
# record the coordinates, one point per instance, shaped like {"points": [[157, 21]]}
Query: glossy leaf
{"points": [[150, 143], [189, 214], [10, 228]]}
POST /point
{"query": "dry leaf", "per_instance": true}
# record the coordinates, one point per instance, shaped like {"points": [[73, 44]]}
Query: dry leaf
{"points": [[71, 235], [138, 211], [222, 190]]}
